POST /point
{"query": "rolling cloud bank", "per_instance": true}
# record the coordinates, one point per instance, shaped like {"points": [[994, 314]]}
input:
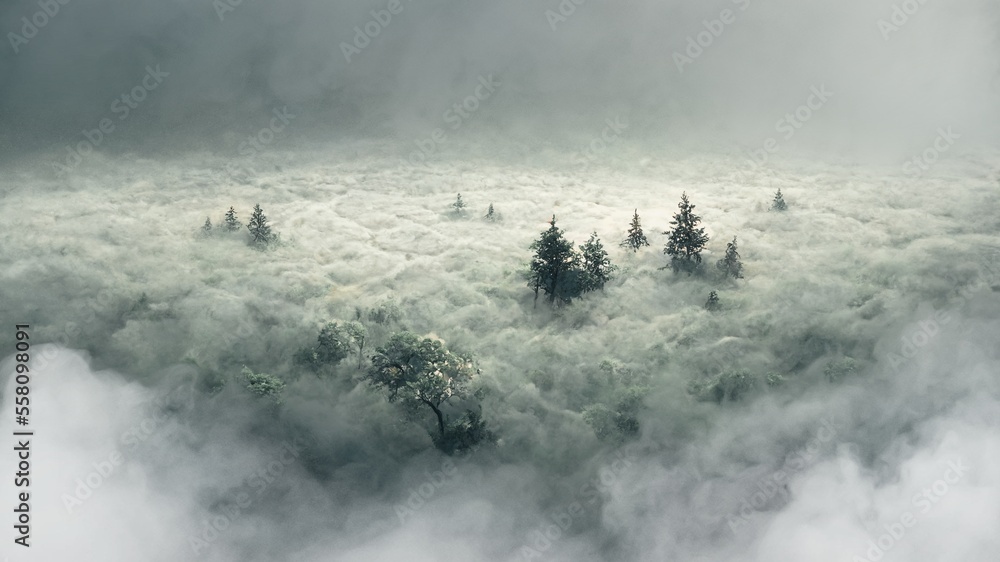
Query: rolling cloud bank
{"points": [[841, 404]]}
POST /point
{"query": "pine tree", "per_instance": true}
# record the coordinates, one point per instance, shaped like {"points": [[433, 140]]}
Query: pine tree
{"points": [[779, 202], [459, 206], [492, 215], [206, 229], [713, 301], [596, 264], [686, 239], [232, 223], [635, 239], [259, 229], [731, 264], [554, 268]]}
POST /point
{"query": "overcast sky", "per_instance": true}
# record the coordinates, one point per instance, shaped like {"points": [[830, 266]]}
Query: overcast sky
{"points": [[895, 77]]}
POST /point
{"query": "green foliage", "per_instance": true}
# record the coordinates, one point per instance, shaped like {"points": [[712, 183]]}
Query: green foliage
{"points": [[260, 233], [554, 268], [384, 313], [596, 264], [465, 434], [730, 265], [712, 303], [686, 239], [635, 238], [422, 372], [732, 385], [206, 229], [492, 215], [617, 417], [232, 223], [359, 337], [840, 368], [264, 386], [459, 207], [779, 202], [333, 344], [618, 420]]}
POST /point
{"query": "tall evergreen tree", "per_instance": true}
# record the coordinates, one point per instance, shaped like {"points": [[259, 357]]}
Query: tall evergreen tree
{"points": [[635, 239], [206, 228], [492, 215], [459, 206], [779, 202], [686, 239], [731, 264], [259, 229], [232, 223], [596, 264], [554, 268]]}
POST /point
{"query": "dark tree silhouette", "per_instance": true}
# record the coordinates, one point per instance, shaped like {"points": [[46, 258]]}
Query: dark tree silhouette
{"points": [[686, 240], [232, 223], [730, 265], [635, 238], [596, 264], [554, 267], [713, 301], [260, 232], [421, 372]]}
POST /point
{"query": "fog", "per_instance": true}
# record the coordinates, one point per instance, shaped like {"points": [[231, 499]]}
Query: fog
{"points": [[871, 303], [896, 77]]}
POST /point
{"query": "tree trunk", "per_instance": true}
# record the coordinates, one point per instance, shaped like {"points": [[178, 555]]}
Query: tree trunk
{"points": [[440, 416]]}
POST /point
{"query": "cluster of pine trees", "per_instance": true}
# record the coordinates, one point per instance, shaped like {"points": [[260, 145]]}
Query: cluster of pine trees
{"points": [[260, 234], [563, 273]]}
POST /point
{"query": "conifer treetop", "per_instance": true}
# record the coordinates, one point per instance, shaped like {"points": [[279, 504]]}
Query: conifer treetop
{"points": [[635, 238]]}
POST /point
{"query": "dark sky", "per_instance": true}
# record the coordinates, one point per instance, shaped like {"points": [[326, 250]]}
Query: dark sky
{"points": [[562, 66]]}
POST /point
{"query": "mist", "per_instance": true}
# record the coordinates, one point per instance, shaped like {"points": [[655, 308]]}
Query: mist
{"points": [[839, 402]]}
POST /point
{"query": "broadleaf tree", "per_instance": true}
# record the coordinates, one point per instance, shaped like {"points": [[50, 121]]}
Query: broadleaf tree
{"points": [[421, 372]]}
